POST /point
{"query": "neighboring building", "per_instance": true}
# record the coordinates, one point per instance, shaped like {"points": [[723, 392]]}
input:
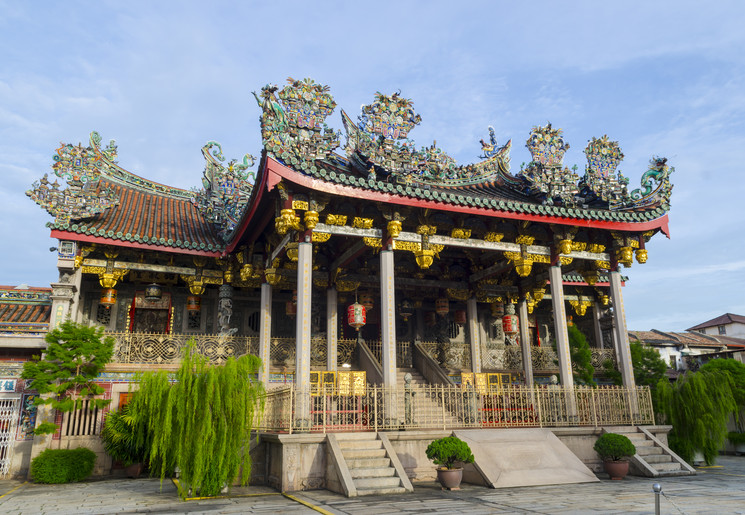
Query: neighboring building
{"points": [[688, 351], [439, 254], [24, 320], [724, 325]]}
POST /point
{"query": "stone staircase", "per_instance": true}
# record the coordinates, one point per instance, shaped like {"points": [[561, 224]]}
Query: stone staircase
{"points": [[370, 464], [422, 401], [653, 458]]}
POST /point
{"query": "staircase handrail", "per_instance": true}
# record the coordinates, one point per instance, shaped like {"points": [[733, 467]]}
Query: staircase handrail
{"points": [[428, 367], [369, 363]]}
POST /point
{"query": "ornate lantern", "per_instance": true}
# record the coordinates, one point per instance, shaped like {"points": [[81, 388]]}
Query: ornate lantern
{"points": [[460, 316], [356, 316], [497, 309], [510, 321], [108, 297], [193, 304], [430, 318], [442, 306], [153, 292], [366, 299], [406, 309]]}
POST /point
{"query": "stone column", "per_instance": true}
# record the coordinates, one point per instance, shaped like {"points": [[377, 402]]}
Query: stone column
{"points": [[522, 314], [388, 330], [265, 332], [225, 310], [560, 326], [302, 333], [597, 311], [621, 335], [332, 325], [474, 334], [63, 295]]}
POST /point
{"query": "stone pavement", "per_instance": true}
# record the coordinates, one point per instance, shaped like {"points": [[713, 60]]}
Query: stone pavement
{"points": [[719, 490]]}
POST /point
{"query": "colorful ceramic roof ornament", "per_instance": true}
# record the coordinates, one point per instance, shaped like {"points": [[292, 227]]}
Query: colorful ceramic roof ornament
{"points": [[226, 189], [293, 124], [600, 182]]}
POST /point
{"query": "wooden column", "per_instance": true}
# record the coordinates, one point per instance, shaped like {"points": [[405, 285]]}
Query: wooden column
{"points": [[522, 314], [560, 326], [474, 334], [265, 332], [623, 351], [332, 324]]}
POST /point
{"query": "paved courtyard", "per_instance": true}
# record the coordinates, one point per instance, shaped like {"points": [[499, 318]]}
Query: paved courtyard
{"points": [[719, 489]]}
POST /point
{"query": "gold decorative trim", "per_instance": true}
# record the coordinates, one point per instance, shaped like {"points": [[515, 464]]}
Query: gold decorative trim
{"points": [[493, 237], [332, 219], [428, 230], [320, 237], [373, 242], [362, 223], [524, 239], [460, 233], [300, 204]]}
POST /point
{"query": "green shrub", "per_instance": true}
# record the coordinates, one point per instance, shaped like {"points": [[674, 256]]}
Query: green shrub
{"points": [[446, 451], [614, 447], [63, 465]]}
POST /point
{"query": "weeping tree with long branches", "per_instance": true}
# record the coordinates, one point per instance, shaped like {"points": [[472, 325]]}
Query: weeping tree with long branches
{"points": [[201, 422]]}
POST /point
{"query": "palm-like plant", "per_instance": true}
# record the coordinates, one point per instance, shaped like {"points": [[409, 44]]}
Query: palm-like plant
{"points": [[121, 439]]}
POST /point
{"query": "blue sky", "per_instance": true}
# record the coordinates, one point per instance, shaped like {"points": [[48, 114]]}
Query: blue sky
{"points": [[163, 78]]}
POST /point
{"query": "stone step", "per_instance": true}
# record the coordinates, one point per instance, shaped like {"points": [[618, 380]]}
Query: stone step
{"points": [[658, 458], [666, 467], [360, 444], [649, 451], [352, 454], [372, 472], [377, 482], [361, 463], [343, 437], [381, 491]]}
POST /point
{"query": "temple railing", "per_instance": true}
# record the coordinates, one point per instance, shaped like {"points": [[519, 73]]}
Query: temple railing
{"points": [[374, 408]]}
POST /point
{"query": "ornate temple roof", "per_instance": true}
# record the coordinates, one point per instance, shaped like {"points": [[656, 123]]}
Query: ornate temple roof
{"points": [[105, 203], [24, 309]]}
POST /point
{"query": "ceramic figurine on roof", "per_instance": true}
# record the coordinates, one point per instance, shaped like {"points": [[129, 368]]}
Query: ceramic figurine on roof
{"points": [[600, 182], [545, 176], [226, 189], [380, 138], [81, 168], [648, 195], [293, 124]]}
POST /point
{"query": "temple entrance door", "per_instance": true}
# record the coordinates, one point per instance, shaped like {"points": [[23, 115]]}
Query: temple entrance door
{"points": [[150, 316]]}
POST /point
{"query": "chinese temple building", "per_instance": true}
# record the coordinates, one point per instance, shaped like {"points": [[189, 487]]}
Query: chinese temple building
{"points": [[359, 265]]}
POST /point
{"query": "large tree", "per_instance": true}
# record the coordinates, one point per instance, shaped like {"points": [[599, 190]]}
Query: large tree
{"points": [[74, 357]]}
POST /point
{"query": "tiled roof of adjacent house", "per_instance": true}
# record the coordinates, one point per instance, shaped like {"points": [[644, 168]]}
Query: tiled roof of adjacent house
{"points": [[656, 337], [24, 309], [727, 318]]}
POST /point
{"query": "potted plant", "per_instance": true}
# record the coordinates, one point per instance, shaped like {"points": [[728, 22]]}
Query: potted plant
{"points": [[615, 451], [122, 441], [738, 440], [447, 452]]}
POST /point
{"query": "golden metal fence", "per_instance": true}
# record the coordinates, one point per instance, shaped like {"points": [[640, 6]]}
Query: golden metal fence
{"points": [[451, 407], [156, 348]]}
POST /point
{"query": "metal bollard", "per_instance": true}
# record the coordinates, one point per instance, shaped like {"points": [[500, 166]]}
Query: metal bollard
{"points": [[657, 489]]}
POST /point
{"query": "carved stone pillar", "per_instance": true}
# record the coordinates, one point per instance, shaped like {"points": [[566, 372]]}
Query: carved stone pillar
{"points": [[623, 351], [522, 307], [302, 332], [597, 312], [332, 324], [560, 326], [388, 330], [474, 334], [63, 295], [265, 332], [225, 310]]}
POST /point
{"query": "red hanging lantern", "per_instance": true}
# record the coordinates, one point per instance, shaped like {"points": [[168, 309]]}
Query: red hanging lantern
{"points": [[442, 306], [193, 304], [430, 318], [366, 299], [460, 316], [356, 315], [108, 297], [510, 321]]}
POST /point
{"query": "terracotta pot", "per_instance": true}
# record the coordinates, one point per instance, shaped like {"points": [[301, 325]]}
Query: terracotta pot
{"points": [[450, 478], [616, 469], [134, 470]]}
